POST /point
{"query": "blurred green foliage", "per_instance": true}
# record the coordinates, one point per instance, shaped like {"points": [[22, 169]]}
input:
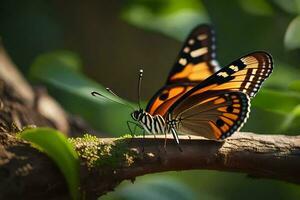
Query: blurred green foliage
{"points": [[155, 188], [171, 17], [241, 26], [61, 72]]}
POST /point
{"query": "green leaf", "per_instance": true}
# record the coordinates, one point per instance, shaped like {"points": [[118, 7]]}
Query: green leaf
{"points": [[292, 35], [257, 7], [292, 120], [170, 17], [57, 147], [282, 76], [61, 57], [295, 86], [274, 111], [277, 101], [290, 6], [58, 71], [265, 121]]}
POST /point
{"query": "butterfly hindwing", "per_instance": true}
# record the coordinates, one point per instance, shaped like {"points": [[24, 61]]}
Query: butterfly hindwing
{"points": [[215, 116], [197, 59]]}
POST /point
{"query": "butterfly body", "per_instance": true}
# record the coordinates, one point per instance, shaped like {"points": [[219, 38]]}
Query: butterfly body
{"points": [[151, 124], [156, 124]]}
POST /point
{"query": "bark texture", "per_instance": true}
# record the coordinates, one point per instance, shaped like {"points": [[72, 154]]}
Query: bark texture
{"points": [[261, 156]]}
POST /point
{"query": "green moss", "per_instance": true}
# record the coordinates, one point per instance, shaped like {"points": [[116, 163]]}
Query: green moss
{"points": [[97, 153], [126, 136]]}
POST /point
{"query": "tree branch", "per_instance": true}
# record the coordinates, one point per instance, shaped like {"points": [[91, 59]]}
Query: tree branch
{"points": [[107, 162], [263, 156]]}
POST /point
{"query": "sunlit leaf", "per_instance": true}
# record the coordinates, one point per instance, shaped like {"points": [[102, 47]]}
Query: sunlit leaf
{"points": [[264, 121], [73, 91], [292, 35], [278, 101], [282, 76], [290, 6], [291, 118], [274, 111], [171, 17], [57, 147]]}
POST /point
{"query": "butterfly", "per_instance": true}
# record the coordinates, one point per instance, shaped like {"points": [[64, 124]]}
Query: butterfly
{"points": [[201, 98]]}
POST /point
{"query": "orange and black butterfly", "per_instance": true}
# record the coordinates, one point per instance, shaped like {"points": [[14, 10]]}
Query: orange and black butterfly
{"points": [[199, 97]]}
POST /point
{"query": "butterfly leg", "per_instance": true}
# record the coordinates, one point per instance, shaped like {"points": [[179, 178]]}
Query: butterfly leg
{"points": [[158, 143], [175, 135], [165, 143], [143, 148], [133, 132], [129, 127]]}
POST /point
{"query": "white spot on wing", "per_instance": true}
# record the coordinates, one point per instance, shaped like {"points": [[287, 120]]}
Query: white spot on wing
{"points": [[202, 37], [213, 54], [223, 74], [191, 41], [234, 68], [182, 61], [247, 85], [251, 78], [186, 50], [213, 47], [215, 64], [199, 52]]}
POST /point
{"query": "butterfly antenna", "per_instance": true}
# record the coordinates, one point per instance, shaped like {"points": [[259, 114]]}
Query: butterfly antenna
{"points": [[97, 94], [110, 91], [139, 87]]}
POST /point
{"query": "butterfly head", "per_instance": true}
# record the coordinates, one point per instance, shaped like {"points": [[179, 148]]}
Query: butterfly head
{"points": [[136, 115]]}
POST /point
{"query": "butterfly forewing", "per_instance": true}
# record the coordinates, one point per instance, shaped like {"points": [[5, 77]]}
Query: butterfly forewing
{"points": [[244, 75], [195, 62], [164, 98], [214, 116], [197, 59]]}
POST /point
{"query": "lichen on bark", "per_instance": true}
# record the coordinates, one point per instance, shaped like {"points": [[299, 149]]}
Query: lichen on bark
{"points": [[95, 152]]}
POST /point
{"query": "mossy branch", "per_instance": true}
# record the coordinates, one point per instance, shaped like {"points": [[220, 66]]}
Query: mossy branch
{"points": [[107, 162]]}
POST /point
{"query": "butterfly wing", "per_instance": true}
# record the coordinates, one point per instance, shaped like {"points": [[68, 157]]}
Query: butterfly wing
{"points": [[214, 116], [245, 74], [166, 97], [197, 59], [223, 97], [195, 62]]}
